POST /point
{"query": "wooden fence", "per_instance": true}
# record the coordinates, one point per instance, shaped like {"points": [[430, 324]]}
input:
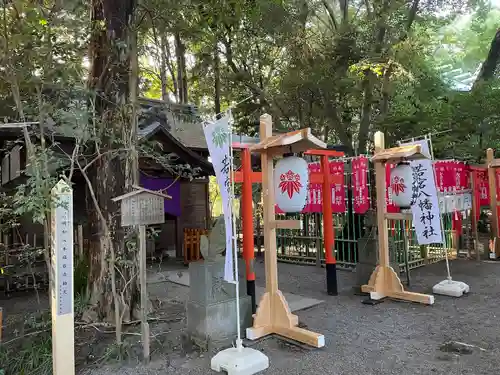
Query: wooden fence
{"points": [[305, 246], [192, 244]]}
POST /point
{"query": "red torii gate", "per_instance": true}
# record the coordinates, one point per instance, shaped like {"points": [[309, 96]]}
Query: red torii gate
{"points": [[246, 176]]}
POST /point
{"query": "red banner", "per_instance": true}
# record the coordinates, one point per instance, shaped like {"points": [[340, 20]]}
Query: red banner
{"points": [[314, 198], [315, 194], [483, 188], [360, 193], [338, 189], [391, 207], [444, 175], [461, 180], [456, 223], [451, 176], [480, 193]]}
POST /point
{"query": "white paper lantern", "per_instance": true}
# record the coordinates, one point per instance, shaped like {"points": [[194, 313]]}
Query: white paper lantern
{"points": [[401, 185], [291, 181]]}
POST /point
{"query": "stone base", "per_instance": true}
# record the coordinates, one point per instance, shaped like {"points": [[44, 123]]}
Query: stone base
{"points": [[214, 325]]}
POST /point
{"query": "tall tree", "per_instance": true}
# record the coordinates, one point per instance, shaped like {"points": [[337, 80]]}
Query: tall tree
{"points": [[112, 286]]}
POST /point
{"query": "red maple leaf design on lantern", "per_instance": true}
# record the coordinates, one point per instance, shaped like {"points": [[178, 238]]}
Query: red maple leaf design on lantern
{"points": [[398, 185], [290, 183]]}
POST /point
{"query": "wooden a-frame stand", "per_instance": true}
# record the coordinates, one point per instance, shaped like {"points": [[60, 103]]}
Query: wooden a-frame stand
{"points": [[384, 282], [273, 315]]}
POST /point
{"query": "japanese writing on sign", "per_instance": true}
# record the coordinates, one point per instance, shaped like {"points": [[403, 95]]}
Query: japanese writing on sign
{"points": [[338, 192], [360, 185], [218, 137], [62, 252], [425, 203], [482, 188]]}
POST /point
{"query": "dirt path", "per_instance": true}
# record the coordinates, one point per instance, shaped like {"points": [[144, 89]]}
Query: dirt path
{"points": [[390, 338]]}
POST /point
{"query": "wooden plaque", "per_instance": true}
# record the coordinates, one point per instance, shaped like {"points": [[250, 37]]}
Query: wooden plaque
{"points": [[142, 209]]}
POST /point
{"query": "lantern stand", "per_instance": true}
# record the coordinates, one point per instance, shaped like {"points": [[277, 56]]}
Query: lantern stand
{"points": [[384, 282], [492, 165], [246, 177], [273, 314]]}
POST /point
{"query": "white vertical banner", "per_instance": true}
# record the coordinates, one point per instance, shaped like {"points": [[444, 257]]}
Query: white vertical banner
{"points": [[425, 201], [218, 138]]}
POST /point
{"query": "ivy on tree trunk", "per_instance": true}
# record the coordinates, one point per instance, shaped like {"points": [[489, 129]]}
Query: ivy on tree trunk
{"points": [[112, 175]]}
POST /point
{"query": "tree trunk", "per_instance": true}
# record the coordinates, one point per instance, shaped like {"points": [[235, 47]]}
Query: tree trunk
{"points": [[491, 62], [366, 113], [217, 105], [180, 52], [163, 67], [110, 53]]}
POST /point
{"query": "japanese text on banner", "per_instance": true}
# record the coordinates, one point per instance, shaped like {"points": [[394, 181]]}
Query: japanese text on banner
{"points": [[359, 185], [425, 203], [218, 137]]}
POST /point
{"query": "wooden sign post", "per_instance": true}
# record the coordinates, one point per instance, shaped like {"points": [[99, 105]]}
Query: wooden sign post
{"points": [[273, 314], [63, 337], [384, 282], [142, 207], [492, 165]]}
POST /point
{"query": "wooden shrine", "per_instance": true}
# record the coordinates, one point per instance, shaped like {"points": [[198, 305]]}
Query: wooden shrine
{"points": [[384, 281], [273, 315]]}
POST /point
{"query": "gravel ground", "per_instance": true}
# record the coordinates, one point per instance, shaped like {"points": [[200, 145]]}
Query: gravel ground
{"points": [[389, 338]]}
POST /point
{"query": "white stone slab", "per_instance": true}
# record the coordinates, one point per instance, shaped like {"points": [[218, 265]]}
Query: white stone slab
{"points": [[181, 277], [295, 302]]}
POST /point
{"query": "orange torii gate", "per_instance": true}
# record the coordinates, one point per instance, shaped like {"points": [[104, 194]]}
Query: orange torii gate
{"points": [[246, 176]]}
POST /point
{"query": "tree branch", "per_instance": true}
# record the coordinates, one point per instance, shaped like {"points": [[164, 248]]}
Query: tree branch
{"points": [[331, 13]]}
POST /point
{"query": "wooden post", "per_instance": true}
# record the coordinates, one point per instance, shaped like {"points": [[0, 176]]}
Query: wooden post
{"points": [[63, 339], [384, 282], [140, 208], [380, 185], [80, 240], [474, 214], [6, 246], [330, 261], [317, 233], [493, 200], [1, 323], [273, 314], [271, 258], [144, 293]]}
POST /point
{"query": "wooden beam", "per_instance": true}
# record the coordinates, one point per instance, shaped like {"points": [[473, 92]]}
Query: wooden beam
{"points": [[287, 224], [312, 152], [411, 152], [398, 216], [295, 141], [314, 177], [330, 153], [492, 183], [493, 191]]}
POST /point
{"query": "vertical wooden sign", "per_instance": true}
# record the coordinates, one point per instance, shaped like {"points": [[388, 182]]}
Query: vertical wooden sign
{"points": [[142, 207], [63, 337]]}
